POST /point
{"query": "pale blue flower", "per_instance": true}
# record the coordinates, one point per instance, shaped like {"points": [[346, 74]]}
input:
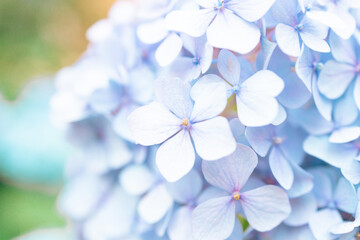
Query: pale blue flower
{"points": [[175, 118], [283, 143], [264, 207], [255, 96], [337, 75], [225, 22], [294, 29]]}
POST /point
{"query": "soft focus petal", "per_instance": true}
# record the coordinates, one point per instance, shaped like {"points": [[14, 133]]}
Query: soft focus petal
{"points": [[174, 93], [250, 10], [332, 153], [193, 23], [213, 138], [303, 181], [345, 134], [232, 172], [153, 124], [302, 208], [351, 171], [210, 103], [114, 219], [335, 78], [281, 168], [333, 21], [356, 92], [154, 205], [206, 81], [187, 188], [255, 100], [168, 50], [180, 226], [136, 179], [345, 196], [260, 139], [322, 222], [231, 32], [229, 66], [265, 207], [176, 156], [152, 32], [214, 219], [288, 39]]}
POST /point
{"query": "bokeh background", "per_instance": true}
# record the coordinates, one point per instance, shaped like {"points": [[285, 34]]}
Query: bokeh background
{"points": [[37, 38]]}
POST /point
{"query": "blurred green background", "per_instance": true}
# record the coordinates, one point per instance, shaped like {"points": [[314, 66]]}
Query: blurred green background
{"points": [[37, 38]]}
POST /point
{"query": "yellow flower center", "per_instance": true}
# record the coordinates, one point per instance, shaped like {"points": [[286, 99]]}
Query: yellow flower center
{"points": [[236, 196], [185, 122]]}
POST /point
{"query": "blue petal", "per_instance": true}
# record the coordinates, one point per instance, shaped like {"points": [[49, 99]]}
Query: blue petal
{"points": [[214, 219], [232, 172]]}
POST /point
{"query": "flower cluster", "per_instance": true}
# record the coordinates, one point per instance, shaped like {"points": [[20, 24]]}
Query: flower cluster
{"points": [[215, 119]]}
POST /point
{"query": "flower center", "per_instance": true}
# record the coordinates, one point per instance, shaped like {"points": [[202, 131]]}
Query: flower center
{"points": [[299, 27], [185, 122], [220, 4], [236, 88], [318, 66], [277, 140], [236, 196], [195, 61]]}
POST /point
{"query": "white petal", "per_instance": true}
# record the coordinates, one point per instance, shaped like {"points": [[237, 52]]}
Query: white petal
{"points": [[207, 3], [229, 66], [114, 219], [174, 93], [153, 206], [322, 222], [203, 83], [210, 103], [176, 156], [281, 168], [168, 50], [333, 21], [231, 32], [255, 101], [152, 32], [153, 124], [85, 186], [194, 23], [356, 92], [250, 10], [345, 196], [136, 179], [315, 43], [214, 219], [265, 207], [264, 82], [213, 138], [344, 134], [302, 208], [232, 172], [180, 226], [288, 39], [99, 31]]}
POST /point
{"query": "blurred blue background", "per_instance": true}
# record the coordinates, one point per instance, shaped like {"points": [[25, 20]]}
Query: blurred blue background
{"points": [[37, 38]]}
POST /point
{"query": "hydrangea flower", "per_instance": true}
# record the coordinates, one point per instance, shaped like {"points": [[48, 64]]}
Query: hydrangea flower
{"points": [[172, 99], [175, 119], [225, 22], [338, 74], [264, 207], [255, 96], [283, 143], [294, 29]]}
